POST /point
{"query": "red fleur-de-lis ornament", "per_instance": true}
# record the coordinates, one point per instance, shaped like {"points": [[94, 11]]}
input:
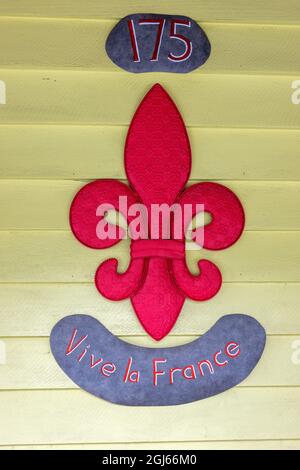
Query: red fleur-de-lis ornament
{"points": [[158, 164]]}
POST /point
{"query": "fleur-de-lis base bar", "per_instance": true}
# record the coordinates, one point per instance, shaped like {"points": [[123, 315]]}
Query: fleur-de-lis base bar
{"points": [[158, 165]]}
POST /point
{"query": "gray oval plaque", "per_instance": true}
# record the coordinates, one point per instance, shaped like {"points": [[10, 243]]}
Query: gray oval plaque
{"points": [[119, 372], [158, 43]]}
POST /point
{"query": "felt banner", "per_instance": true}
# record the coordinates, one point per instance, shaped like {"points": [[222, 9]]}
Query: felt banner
{"points": [[122, 373], [158, 43]]}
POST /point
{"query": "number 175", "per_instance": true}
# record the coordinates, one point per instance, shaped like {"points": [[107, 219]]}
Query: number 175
{"points": [[160, 23]]}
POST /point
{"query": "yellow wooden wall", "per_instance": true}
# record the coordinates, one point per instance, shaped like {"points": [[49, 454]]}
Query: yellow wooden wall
{"points": [[64, 122]]}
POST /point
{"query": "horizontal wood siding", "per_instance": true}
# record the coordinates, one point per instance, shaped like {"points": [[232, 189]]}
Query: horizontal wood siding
{"points": [[64, 123]]}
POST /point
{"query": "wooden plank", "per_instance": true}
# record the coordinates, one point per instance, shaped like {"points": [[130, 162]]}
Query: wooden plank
{"points": [[88, 152], [30, 364], [33, 309], [92, 97], [45, 205], [243, 413], [58, 257], [208, 445], [270, 11], [48, 44]]}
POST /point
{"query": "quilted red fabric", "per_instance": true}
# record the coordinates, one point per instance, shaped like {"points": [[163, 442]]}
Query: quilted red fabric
{"points": [[158, 164]]}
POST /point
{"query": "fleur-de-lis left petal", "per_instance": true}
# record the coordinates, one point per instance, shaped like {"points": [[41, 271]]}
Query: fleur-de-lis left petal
{"points": [[158, 164]]}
